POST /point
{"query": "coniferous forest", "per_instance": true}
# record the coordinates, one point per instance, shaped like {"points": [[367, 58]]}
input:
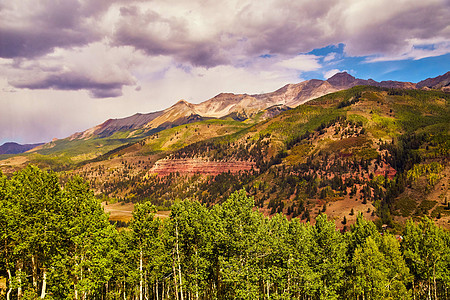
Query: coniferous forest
{"points": [[56, 243]]}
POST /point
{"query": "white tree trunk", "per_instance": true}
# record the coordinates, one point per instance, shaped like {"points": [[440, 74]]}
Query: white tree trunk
{"points": [[140, 275], [157, 297], [10, 285], [196, 273], [35, 271], [44, 284], [19, 288], [434, 281], [179, 264], [175, 276]]}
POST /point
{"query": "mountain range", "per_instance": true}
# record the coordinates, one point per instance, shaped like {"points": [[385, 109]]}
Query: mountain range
{"points": [[246, 106], [235, 106], [380, 148]]}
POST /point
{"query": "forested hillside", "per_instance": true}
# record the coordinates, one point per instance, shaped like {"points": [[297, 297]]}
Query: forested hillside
{"points": [[56, 243], [381, 152]]}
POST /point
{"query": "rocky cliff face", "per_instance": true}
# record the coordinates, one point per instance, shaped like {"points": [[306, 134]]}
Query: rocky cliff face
{"points": [[193, 166]]}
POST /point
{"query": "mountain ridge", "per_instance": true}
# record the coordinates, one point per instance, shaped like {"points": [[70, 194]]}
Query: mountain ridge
{"points": [[290, 95]]}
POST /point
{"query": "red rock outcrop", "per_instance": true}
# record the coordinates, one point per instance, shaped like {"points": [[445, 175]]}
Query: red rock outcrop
{"points": [[193, 166]]}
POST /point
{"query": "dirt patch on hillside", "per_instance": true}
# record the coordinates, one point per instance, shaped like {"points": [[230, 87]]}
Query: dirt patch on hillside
{"points": [[13, 164], [338, 209], [121, 211]]}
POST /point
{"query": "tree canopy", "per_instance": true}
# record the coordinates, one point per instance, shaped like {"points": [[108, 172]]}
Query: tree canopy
{"points": [[56, 243]]}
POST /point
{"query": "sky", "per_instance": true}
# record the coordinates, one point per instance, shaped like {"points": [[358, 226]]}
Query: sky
{"points": [[68, 65]]}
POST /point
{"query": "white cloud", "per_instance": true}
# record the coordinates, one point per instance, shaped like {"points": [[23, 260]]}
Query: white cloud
{"points": [[418, 49], [330, 57], [301, 63], [330, 73]]}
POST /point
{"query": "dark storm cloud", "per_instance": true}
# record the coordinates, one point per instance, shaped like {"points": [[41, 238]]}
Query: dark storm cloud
{"points": [[74, 81], [34, 28], [31, 29], [32, 43]]}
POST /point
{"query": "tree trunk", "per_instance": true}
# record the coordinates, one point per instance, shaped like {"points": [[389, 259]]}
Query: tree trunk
{"points": [[44, 284], [434, 281], [157, 296], [35, 271], [175, 277], [429, 289], [19, 288], [145, 286], [75, 288], [196, 273], [179, 263], [9, 285], [140, 275]]}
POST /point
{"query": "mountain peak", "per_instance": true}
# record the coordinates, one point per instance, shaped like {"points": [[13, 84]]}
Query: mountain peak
{"points": [[182, 102], [341, 79]]}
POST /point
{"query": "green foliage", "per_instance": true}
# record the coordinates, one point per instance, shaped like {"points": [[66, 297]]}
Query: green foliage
{"points": [[230, 251], [426, 251], [405, 205], [55, 233], [432, 171]]}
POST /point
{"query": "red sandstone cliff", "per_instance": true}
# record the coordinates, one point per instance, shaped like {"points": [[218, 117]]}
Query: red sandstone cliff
{"points": [[193, 166]]}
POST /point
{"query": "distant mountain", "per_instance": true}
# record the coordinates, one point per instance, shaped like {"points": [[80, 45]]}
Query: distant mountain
{"points": [[15, 148], [344, 81], [366, 149], [441, 83]]}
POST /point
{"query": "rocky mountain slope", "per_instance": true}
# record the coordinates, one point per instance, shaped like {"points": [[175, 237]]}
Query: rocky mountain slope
{"points": [[440, 83], [225, 104], [111, 126]]}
